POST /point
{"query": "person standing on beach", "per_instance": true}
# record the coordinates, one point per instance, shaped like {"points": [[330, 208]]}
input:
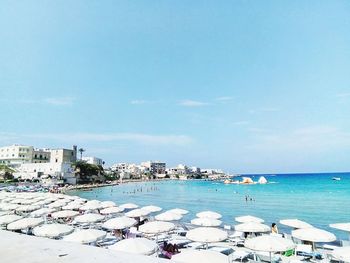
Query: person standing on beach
{"points": [[274, 228]]}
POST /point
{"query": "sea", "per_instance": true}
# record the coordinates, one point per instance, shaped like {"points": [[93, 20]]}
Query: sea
{"points": [[314, 198]]}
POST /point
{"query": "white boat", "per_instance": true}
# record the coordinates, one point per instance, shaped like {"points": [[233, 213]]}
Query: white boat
{"points": [[336, 178]]}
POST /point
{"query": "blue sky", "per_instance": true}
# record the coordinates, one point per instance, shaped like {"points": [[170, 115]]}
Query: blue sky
{"points": [[247, 86]]}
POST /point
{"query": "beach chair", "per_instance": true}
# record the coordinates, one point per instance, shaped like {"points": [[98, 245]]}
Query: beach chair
{"points": [[265, 256], [223, 250], [237, 238], [239, 255]]}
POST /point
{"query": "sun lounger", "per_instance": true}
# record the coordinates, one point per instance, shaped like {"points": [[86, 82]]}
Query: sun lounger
{"points": [[239, 255], [224, 250], [195, 245], [292, 259], [329, 247], [265, 256], [301, 248]]}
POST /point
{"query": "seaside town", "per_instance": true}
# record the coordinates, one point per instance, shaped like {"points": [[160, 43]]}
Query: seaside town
{"points": [[38, 214], [22, 163], [175, 131]]}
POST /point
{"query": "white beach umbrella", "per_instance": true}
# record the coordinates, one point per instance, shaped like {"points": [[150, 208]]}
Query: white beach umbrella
{"points": [[206, 234], [341, 226], [64, 214], [178, 211], [25, 223], [6, 200], [156, 227], [269, 243], [93, 202], [17, 201], [72, 197], [200, 256], [248, 219], [111, 210], [252, 227], [72, 206], [28, 202], [52, 230], [313, 235], [139, 212], [51, 199], [209, 214], [27, 208], [85, 236], [79, 201], [42, 202], [91, 206], [119, 223], [56, 204], [168, 216], [2, 213], [8, 206], [7, 219], [60, 196], [106, 204], [89, 218], [295, 223], [206, 222], [129, 206], [42, 212], [342, 254], [142, 246], [152, 208]]}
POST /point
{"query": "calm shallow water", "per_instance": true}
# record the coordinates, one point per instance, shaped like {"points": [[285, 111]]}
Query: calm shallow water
{"points": [[315, 198]]}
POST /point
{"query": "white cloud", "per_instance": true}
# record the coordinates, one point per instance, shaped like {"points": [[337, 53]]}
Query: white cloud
{"points": [[343, 95], [267, 109], [258, 130], [241, 123], [313, 139], [59, 101], [192, 103], [224, 99], [138, 102], [141, 138]]}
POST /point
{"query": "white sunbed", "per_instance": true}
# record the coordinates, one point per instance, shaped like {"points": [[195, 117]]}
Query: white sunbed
{"points": [[224, 250], [265, 256], [239, 255]]}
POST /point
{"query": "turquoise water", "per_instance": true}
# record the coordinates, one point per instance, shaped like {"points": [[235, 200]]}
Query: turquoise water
{"points": [[315, 198]]}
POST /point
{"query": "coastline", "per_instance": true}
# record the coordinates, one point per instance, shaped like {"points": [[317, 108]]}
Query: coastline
{"points": [[66, 189]]}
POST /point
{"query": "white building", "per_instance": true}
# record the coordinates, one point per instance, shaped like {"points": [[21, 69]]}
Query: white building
{"points": [[41, 156], [155, 167], [129, 170], [15, 155], [63, 155], [38, 170], [31, 163], [93, 160]]}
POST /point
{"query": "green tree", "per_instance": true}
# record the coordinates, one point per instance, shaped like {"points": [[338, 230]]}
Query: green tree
{"points": [[6, 172], [88, 172]]}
